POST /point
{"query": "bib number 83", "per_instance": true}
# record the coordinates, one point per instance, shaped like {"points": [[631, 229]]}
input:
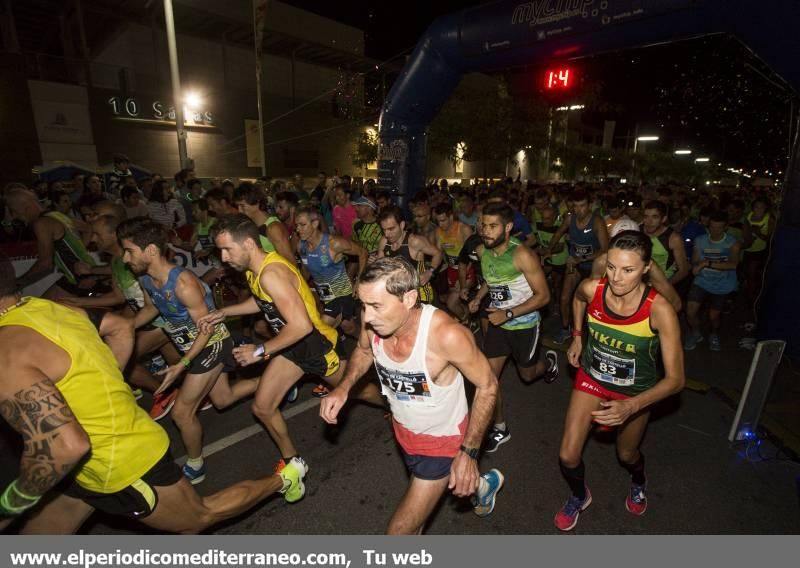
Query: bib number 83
{"points": [[607, 368]]}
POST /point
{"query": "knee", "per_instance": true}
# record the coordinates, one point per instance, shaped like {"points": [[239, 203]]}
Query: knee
{"points": [[569, 457], [182, 413], [221, 402], [628, 455], [263, 410], [569, 460]]}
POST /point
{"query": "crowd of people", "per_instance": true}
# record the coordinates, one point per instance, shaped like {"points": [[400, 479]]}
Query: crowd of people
{"points": [[329, 282]]}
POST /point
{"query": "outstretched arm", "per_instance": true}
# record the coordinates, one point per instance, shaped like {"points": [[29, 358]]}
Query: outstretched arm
{"points": [[54, 441], [456, 345]]}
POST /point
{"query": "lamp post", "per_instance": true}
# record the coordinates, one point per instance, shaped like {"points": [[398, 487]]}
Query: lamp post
{"points": [[169, 22]]}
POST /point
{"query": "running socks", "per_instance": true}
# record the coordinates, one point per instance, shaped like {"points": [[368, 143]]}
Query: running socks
{"points": [[575, 477], [636, 469], [501, 426], [195, 463]]}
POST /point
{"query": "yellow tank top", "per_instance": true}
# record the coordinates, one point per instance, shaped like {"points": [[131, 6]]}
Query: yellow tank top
{"points": [[759, 244], [125, 441], [271, 311], [450, 242]]}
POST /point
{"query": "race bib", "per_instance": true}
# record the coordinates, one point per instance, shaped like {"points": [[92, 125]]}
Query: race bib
{"points": [[614, 370], [182, 337], [325, 292], [499, 294], [405, 386], [273, 317], [583, 250]]}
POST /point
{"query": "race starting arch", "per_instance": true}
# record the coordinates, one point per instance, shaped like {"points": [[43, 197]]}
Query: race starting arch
{"points": [[512, 33]]}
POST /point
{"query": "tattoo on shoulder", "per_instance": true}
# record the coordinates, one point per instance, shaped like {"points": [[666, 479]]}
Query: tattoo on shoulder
{"points": [[37, 413]]}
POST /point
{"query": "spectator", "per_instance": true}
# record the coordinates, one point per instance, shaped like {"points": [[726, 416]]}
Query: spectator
{"points": [[116, 177], [146, 187], [132, 202], [194, 191], [164, 208]]}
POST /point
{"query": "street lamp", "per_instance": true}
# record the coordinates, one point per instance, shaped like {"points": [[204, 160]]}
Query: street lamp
{"points": [[648, 138], [643, 139], [193, 101], [683, 152], [701, 159]]}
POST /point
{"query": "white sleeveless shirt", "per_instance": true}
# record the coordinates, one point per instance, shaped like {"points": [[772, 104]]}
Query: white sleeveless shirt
{"points": [[429, 419]]}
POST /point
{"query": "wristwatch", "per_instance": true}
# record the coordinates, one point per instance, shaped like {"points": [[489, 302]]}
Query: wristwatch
{"points": [[509, 314], [474, 453]]}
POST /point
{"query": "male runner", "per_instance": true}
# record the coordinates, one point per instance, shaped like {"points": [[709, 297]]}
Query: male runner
{"points": [[422, 356], [110, 455], [60, 244], [127, 290], [323, 257], [588, 239], [302, 342], [397, 241], [367, 231], [517, 288], [668, 250], [715, 260], [451, 235], [285, 205], [182, 299], [251, 201]]}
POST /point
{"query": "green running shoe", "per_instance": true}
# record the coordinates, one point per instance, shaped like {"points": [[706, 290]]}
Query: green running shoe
{"points": [[294, 472]]}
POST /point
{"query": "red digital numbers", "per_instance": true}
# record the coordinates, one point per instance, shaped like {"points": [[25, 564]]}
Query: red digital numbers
{"points": [[559, 79]]}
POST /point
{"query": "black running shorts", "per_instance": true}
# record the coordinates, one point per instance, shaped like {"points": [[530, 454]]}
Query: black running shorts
{"points": [[522, 345]]}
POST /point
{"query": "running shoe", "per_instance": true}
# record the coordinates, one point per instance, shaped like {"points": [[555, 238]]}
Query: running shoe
{"points": [[292, 475], [567, 517], [495, 439], [691, 341], [162, 404], [194, 476], [551, 374], [320, 391], [713, 342], [206, 404], [293, 393], [483, 503], [137, 393], [636, 502], [281, 463], [562, 336]]}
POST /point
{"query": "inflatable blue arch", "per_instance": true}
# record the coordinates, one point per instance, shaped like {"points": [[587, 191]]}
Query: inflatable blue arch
{"points": [[510, 33]]}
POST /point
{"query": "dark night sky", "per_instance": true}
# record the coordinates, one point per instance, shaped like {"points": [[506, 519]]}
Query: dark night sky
{"points": [[710, 94]]}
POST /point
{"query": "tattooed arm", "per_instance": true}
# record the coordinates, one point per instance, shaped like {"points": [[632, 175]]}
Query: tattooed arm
{"points": [[54, 441]]}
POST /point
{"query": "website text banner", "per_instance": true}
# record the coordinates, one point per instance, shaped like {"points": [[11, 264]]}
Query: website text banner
{"points": [[393, 552]]}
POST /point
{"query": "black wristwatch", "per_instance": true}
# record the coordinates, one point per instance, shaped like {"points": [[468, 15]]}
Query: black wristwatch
{"points": [[474, 453], [509, 314]]}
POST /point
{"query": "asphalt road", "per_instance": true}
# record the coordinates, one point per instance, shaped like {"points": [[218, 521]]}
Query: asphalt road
{"points": [[698, 483]]}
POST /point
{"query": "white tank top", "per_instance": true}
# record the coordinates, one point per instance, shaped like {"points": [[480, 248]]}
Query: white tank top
{"points": [[424, 410]]}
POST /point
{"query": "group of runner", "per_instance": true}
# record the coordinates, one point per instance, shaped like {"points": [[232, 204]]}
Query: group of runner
{"points": [[412, 295]]}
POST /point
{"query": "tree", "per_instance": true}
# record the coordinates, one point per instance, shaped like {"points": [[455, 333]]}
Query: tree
{"points": [[487, 123], [366, 149]]}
